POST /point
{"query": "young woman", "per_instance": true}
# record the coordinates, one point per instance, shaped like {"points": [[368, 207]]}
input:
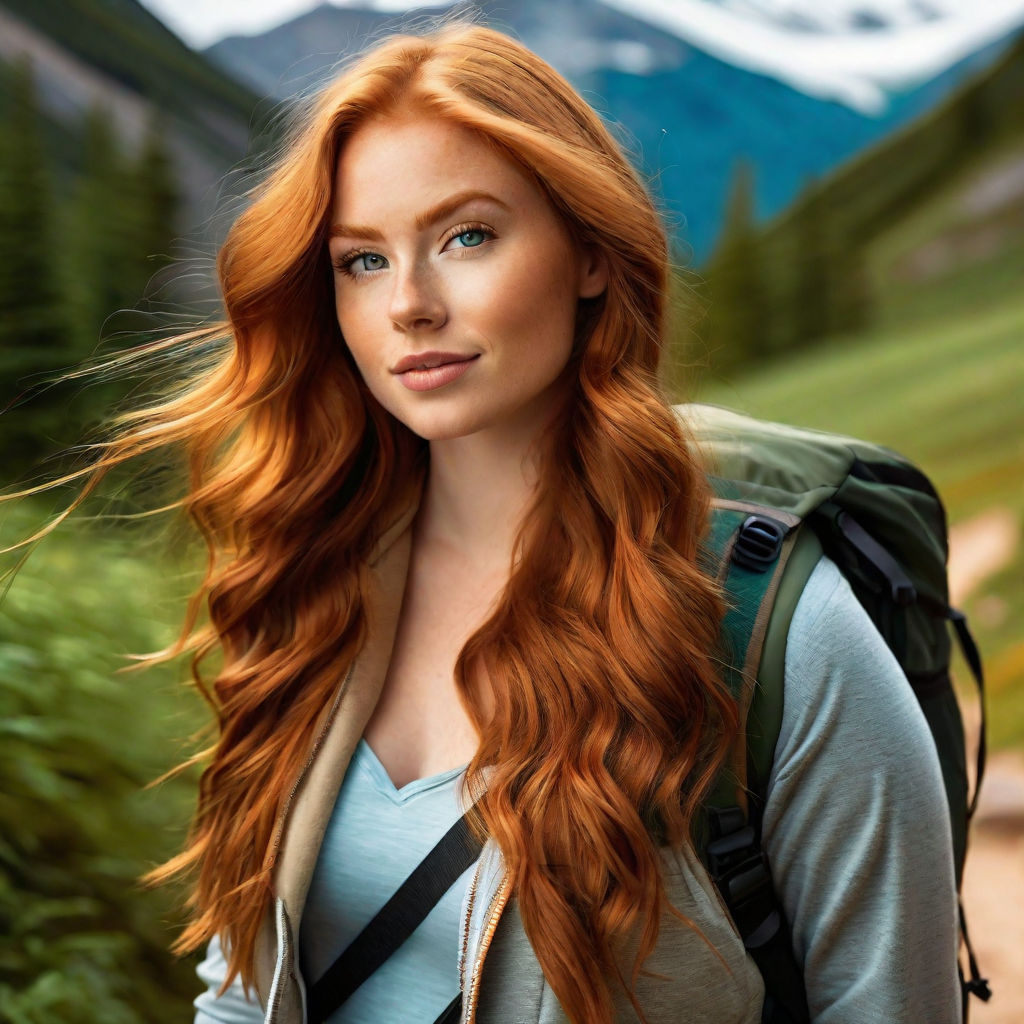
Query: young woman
{"points": [[453, 529]]}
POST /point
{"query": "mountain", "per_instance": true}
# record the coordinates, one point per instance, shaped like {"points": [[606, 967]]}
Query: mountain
{"points": [[300, 54], [837, 16], [925, 224], [857, 52], [115, 55], [689, 116]]}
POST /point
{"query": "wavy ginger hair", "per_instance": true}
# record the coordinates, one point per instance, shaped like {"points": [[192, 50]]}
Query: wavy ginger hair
{"points": [[610, 719]]}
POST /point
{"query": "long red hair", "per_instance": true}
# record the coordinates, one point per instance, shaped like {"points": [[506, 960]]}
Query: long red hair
{"points": [[610, 718]]}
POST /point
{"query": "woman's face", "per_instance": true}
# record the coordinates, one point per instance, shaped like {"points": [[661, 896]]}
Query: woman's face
{"points": [[456, 283]]}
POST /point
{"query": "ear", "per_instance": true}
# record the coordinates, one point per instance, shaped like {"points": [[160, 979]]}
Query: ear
{"points": [[593, 271]]}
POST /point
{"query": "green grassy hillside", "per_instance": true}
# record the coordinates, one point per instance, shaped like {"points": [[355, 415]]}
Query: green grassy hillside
{"points": [[947, 392], [960, 246], [939, 203]]}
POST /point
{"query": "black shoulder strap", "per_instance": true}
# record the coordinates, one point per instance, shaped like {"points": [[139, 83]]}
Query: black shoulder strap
{"points": [[395, 922], [738, 867], [732, 841]]}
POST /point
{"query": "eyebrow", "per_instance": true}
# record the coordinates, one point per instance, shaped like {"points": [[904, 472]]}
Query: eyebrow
{"points": [[443, 209]]}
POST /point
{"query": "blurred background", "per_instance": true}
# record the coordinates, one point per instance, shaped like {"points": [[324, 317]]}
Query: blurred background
{"points": [[844, 184]]}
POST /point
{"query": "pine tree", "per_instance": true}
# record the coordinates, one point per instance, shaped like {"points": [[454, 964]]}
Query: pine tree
{"points": [[739, 320], [851, 293], [32, 325], [975, 122], [101, 259], [811, 297], [156, 203], [122, 224], [829, 291], [33, 316]]}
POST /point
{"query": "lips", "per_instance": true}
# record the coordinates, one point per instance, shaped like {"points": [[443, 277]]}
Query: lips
{"points": [[428, 371], [429, 360]]}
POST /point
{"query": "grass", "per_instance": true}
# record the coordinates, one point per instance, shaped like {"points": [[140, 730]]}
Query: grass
{"points": [[982, 253], [949, 393]]}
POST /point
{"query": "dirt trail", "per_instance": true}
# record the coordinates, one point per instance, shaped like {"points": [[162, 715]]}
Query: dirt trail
{"points": [[994, 889], [994, 878], [979, 547]]}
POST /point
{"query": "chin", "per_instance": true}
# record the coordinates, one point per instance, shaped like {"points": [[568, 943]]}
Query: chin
{"points": [[438, 429], [435, 424]]}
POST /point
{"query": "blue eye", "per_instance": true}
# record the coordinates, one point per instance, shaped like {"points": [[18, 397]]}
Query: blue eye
{"points": [[469, 239], [370, 261]]}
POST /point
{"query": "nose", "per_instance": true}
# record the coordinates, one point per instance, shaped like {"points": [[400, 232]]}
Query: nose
{"points": [[416, 301]]}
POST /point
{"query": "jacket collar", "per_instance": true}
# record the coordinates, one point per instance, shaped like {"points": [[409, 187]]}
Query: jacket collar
{"points": [[307, 815]]}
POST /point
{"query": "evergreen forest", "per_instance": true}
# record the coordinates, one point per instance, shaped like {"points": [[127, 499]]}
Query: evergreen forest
{"points": [[86, 224], [771, 289]]}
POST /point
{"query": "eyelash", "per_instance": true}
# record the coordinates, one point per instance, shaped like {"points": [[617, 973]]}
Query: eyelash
{"points": [[343, 264]]}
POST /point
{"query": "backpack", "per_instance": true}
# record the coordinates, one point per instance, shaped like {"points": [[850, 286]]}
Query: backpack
{"points": [[783, 496]]}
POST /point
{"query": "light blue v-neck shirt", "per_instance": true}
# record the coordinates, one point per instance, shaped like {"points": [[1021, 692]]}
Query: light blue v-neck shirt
{"points": [[375, 838]]}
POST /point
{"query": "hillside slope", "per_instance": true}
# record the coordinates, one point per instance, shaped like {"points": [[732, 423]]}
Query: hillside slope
{"points": [[114, 54]]}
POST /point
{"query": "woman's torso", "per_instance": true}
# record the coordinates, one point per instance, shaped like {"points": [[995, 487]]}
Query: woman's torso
{"points": [[876, 862], [417, 739], [377, 834]]}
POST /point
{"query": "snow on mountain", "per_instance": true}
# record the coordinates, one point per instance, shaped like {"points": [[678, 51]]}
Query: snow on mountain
{"points": [[851, 51], [842, 15]]}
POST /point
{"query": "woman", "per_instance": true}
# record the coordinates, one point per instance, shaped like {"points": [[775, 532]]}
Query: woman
{"points": [[454, 528]]}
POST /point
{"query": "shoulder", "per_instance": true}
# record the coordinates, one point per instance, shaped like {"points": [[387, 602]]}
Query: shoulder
{"points": [[828, 625], [850, 721], [841, 677], [849, 717], [856, 825]]}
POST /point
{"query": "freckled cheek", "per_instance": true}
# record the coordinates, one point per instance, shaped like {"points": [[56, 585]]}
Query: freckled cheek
{"points": [[523, 302], [360, 335]]}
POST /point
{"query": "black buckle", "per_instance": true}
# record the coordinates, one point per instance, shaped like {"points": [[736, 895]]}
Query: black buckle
{"points": [[979, 987], [758, 543], [739, 869], [738, 865]]}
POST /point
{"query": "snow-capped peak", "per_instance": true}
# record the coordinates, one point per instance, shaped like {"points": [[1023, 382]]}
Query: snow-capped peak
{"points": [[851, 51]]}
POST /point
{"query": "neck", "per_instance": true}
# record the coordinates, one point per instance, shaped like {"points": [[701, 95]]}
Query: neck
{"points": [[477, 491]]}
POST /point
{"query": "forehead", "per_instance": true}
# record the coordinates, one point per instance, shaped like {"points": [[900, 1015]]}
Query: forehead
{"points": [[399, 166]]}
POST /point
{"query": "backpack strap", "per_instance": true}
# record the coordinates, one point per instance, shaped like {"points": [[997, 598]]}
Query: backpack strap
{"points": [[764, 720], [879, 518], [455, 851], [746, 549], [750, 546]]}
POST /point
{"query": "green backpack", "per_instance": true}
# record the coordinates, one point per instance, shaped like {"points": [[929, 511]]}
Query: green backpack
{"points": [[783, 497]]}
